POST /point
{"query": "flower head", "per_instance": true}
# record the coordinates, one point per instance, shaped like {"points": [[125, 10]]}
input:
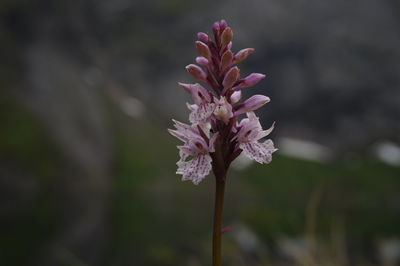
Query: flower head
{"points": [[216, 135]]}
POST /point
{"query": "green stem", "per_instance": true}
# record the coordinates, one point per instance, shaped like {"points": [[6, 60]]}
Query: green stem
{"points": [[218, 209]]}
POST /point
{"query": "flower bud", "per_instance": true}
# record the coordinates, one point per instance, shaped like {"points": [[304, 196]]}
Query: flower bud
{"points": [[223, 24], [203, 49], [236, 96], [251, 104], [196, 72], [226, 36], [242, 54], [251, 80], [203, 37], [231, 77], [216, 28], [226, 60], [202, 61]]}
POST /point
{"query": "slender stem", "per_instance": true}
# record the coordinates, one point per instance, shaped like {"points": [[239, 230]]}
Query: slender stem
{"points": [[218, 208]]}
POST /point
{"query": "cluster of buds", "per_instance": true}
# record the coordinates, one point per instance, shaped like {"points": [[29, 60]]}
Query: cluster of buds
{"points": [[215, 136]]}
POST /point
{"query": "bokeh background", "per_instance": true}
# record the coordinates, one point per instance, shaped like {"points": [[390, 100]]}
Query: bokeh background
{"points": [[87, 169]]}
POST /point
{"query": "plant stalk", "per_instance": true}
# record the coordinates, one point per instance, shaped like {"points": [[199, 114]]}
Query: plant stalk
{"points": [[218, 209]]}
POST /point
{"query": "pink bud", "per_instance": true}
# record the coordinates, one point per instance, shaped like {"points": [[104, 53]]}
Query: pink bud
{"points": [[223, 24], [203, 37], [226, 60], [216, 28], [203, 49], [231, 77], [196, 72], [226, 36], [251, 80], [242, 54], [202, 61], [236, 96], [251, 104]]}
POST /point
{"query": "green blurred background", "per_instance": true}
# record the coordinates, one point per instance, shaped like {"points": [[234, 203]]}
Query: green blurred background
{"points": [[87, 168]]}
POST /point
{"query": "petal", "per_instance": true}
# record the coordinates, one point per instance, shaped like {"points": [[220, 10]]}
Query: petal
{"points": [[202, 113], [260, 152], [178, 134], [265, 133], [195, 169]]}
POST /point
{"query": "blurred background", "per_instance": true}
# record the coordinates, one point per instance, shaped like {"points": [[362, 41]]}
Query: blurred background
{"points": [[87, 168]]}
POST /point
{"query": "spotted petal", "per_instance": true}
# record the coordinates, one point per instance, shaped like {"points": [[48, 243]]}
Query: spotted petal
{"points": [[201, 113], [195, 169], [260, 152]]}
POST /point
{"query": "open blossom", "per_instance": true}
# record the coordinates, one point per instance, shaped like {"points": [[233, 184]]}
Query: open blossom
{"points": [[203, 106], [195, 161], [217, 135], [248, 139]]}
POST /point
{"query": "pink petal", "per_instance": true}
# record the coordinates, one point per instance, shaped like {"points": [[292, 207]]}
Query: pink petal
{"points": [[260, 152], [202, 113], [195, 169]]}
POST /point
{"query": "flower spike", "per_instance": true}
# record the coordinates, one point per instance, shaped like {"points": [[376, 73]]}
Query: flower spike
{"points": [[217, 135]]}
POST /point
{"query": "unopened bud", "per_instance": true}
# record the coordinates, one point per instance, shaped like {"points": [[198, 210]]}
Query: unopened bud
{"points": [[242, 54], [223, 24], [203, 49], [231, 77], [203, 37], [226, 36], [196, 72], [216, 28], [251, 80], [251, 104], [226, 60], [236, 96], [202, 61]]}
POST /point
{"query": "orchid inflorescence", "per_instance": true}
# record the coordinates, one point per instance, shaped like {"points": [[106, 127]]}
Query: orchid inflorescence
{"points": [[215, 136]]}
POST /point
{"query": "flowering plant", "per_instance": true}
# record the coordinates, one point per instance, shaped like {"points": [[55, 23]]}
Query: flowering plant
{"points": [[215, 136]]}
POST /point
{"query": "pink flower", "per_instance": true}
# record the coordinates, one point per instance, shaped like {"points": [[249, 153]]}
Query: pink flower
{"points": [[248, 136], [216, 135], [195, 146], [203, 106]]}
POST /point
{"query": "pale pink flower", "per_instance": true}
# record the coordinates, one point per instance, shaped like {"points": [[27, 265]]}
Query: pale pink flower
{"points": [[195, 160], [248, 136], [203, 106], [216, 135]]}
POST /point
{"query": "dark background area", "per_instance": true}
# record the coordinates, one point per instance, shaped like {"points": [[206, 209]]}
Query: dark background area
{"points": [[87, 168]]}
